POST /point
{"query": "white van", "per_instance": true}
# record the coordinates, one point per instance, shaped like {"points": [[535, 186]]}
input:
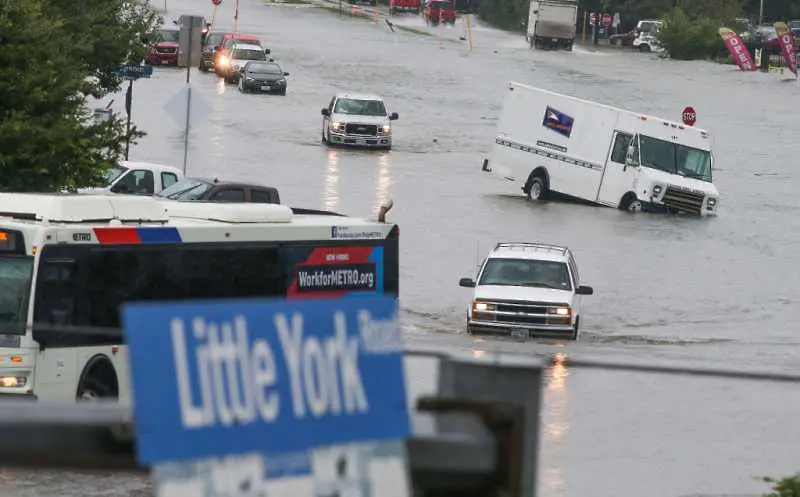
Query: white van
{"points": [[556, 144]]}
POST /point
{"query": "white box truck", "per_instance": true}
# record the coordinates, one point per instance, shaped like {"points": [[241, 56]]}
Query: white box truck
{"points": [[557, 145], [552, 23]]}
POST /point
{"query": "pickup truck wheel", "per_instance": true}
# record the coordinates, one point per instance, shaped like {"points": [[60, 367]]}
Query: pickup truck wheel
{"points": [[644, 47], [634, 205], [575, 329]]}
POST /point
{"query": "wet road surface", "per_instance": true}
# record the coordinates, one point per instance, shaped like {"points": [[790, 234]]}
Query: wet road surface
{"points": [[718, 292]]}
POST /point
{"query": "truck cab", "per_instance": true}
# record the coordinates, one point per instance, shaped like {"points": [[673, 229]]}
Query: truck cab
{"points": [[526, 290], [139, 178]]}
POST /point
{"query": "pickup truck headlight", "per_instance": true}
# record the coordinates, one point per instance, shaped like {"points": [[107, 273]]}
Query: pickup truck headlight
{"points": [[337, 126], [386, 129], [478, 306], [559, 311], [657, 189]]}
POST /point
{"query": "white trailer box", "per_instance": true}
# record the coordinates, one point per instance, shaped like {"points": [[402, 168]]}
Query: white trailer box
{"points": [[552, 23], [553, 144]]}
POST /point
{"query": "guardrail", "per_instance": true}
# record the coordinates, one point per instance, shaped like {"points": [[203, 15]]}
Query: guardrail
{"points": [[477, 436]]}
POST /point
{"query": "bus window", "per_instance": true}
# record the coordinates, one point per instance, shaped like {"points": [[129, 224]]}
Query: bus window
{"points": [[15, 286], [124, 274], [55, 302]]}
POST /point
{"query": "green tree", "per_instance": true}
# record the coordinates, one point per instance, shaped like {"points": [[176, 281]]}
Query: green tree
{"points": [[47, 138]]}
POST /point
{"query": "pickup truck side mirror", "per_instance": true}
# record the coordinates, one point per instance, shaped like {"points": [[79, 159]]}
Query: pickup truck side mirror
{"points": [[326, 112], [584, 290], [466, 282], [285, 73], [394, 116], [267, 51]]}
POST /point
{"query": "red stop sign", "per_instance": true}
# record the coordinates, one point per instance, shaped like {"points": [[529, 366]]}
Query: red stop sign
{"points": [[689, 116], [216, 2]]}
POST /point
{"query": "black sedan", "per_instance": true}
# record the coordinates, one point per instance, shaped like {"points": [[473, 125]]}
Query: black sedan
{"points": [[266, 77], [199, 189]]}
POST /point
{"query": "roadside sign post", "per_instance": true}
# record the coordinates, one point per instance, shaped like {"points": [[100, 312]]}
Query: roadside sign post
{"points": [[270, 397], [189, 54], [216, 4], [131, 73], [689, 116]]}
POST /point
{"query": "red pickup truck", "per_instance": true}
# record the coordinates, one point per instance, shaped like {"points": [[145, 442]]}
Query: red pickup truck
{"points": [[439, 11], [396, 6]]}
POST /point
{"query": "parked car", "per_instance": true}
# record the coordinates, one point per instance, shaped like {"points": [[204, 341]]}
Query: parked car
{"points": [[357, 120], [439, 11], [264, 77], [764, 37], [624, 39], [526, 290], [140, 178], [214, 190], [164, 50]]}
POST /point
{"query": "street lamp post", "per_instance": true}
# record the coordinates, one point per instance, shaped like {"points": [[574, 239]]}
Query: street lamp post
{"points": [[761, 12]]}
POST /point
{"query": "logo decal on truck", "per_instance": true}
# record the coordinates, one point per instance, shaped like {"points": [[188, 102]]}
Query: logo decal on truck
{"points": [[557, 121]]}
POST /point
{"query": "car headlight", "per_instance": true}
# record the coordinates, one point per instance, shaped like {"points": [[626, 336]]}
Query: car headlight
{"points": [[559, 311], [657, 189], [478, 306], [337, 126], [712, 202], [387, 129]]}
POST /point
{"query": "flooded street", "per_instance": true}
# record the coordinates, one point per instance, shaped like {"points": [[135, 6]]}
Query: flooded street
{"points": [[719, 292]]}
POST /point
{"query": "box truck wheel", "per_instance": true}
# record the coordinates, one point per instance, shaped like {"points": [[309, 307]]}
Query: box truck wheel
{"points": [[630, 203], [536, 186]]}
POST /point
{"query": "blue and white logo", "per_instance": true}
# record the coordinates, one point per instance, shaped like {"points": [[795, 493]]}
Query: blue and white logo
{"points": [[558, 121], [272, 376]]}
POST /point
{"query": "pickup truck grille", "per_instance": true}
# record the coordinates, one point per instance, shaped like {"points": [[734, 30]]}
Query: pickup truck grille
{"points": [[519, 314], [361, 129], [683, 200]]}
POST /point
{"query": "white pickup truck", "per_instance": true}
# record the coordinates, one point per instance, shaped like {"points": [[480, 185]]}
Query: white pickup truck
{"points": [[140, 178]]}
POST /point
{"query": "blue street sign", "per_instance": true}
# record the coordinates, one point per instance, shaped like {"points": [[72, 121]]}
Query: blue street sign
{"points": [[134, 71], [215, 378]]}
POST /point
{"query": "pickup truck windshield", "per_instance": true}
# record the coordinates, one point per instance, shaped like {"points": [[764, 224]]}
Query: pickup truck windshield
{"points": [[249, 55], [185, 190], [674, 158], [359, 107], [114, 173], [15, 286], [526, 272]]}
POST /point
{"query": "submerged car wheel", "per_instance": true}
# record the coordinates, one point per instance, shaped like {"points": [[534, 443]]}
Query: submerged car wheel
{"points": [[644, 47]]}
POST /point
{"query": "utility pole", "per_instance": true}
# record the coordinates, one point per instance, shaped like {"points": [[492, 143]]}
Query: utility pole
{"points": [[761, 13], [128, 102], [188, 100], [236, 17]]}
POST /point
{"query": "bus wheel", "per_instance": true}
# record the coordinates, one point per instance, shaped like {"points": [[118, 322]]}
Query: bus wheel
{"points": [[99, 381]]}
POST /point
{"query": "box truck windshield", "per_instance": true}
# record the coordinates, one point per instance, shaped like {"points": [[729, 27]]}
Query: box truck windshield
{"points": [[674, 158]]}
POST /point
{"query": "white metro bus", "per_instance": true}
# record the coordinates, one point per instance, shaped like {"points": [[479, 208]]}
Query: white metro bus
{"points": [[67, 263]]}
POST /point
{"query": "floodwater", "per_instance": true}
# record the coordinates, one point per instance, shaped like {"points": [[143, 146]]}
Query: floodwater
{"points": [[719, 292]]}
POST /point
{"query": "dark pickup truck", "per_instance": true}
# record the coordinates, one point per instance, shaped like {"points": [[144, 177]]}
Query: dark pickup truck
{"points": [[214, 190]]}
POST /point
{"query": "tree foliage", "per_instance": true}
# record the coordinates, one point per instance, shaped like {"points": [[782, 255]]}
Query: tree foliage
{"points": [[784, 487], [53, 55]]}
